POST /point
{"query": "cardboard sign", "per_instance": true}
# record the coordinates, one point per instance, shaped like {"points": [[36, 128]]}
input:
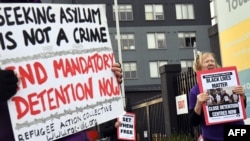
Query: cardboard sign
{"points": [[127, 129], [181, 104], [219, 84], [64, 56]]}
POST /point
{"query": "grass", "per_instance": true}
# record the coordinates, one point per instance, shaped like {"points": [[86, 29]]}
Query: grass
{"points": [[182, 137]]}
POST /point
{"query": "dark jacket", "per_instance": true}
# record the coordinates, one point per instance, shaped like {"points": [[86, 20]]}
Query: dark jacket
{"points": [[108, 129], [211, 132]]}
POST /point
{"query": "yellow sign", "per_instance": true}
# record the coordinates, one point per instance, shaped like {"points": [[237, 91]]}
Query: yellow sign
{"points": [[235, 45]]}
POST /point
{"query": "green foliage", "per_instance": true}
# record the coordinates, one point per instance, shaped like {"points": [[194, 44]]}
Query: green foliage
{"points": [[180, 137]]}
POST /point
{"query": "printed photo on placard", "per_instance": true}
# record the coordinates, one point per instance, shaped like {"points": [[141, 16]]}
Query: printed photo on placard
{"points": [[181, 104], [224, 104]]}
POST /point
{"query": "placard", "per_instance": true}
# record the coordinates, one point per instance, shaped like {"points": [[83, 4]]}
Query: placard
{"points": [[224, 105], [64, 56], [181, 104], [127, 129]]}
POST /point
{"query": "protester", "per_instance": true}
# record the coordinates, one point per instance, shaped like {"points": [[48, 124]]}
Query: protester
{"points": [[8, 88], [109, 130], [206, 61]]}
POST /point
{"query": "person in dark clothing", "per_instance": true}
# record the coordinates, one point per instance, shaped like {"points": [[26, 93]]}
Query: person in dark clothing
{"points": [[225, 97], [206, 61], [218, 97], [109, 129], [234, 97]]}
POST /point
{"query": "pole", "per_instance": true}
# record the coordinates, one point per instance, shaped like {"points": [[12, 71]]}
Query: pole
{"points": [[119, 50]]}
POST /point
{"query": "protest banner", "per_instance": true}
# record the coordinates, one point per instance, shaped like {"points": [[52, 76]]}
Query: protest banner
{"points": [[222, 106], [181, 104], [126, 130], [64, 56]]}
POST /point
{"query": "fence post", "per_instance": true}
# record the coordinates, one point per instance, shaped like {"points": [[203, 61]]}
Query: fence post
{"points": [[169, 89]]}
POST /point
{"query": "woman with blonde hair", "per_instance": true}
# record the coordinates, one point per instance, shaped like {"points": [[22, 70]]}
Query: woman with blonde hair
{"points": [[206, 61]]}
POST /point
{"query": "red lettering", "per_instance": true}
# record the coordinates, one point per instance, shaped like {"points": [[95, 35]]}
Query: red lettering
{"points": [[40, 72], [19, 103], [26, 75], [107, 87], [36, 76], [67, 67], [32, 99], [58, 65], [41, 96], [85, 90], [52, 98]]}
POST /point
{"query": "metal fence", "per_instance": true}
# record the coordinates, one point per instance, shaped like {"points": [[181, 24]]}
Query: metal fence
{"points": [[185, 81], [150, 113], [149, 117]]}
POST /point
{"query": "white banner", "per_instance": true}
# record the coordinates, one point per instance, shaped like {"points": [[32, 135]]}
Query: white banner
{"points": [[64, 56]]}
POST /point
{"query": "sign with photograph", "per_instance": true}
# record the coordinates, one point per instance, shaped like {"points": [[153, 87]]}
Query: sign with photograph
{"points": [[224, 104], [181, 104]]}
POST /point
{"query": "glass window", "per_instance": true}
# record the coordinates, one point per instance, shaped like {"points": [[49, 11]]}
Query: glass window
{"points": [[156, 40], [154, 12], [130, 70], [127, 41], [187, 39], [213, 12], [186, 64], [154, 68], [184, 11], [125, 12]]}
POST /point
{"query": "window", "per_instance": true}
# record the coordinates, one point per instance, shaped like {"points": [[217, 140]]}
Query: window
{"points": [[127, 41], [130, 70], [184, 11], [154, 68], [154, 12], [187, 39], [125, 12], [156, 40], [186, 64], [213, 12]]}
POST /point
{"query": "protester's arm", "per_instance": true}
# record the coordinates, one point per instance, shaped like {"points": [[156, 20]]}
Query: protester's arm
{"points": [[108, 128], [8, 84], [195, 114], [194, 118], [241, 91], [195, 109], [116, 68]]}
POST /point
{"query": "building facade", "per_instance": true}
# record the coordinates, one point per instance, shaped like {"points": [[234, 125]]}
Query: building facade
{"points": [[154, 33]]}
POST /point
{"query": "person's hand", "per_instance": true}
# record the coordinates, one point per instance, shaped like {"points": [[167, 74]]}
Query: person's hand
{"points": [[117, 124], [239, 90], [116, 68], [202, 97], [8, 84]]}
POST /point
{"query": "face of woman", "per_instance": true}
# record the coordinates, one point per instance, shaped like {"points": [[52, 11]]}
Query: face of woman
{"points": [[208, 62]]}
